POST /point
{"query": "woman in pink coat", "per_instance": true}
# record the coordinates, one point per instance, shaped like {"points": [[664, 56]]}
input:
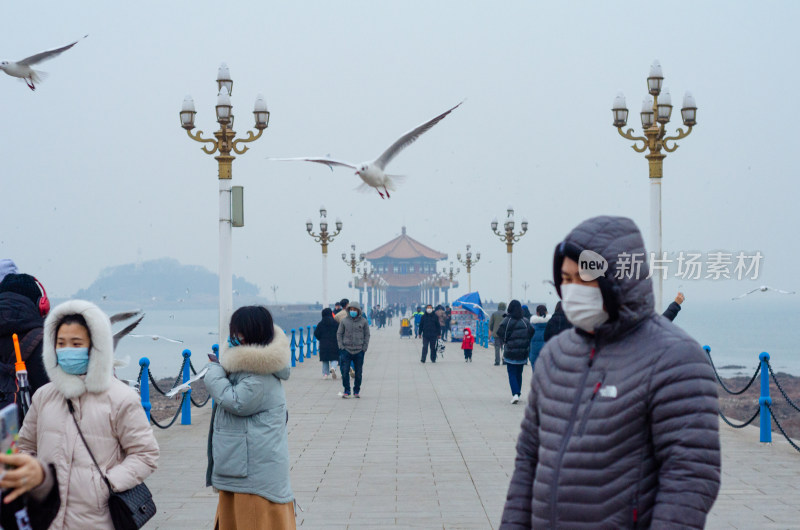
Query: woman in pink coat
{"points": [[78, 355]]}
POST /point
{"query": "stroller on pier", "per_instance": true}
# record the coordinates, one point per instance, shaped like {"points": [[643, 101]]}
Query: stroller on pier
{"points": [[405, 328]]}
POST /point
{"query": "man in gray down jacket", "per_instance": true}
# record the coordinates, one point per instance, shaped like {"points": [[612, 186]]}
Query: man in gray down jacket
{"points": [[621, 426], [353, 340]]}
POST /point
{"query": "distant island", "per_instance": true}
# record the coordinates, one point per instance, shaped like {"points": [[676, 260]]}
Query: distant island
{"points": [[164, 284]]}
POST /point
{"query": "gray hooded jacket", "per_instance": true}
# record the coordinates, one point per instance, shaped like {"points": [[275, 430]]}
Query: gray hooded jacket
{"points": [[353, 333], [621, 427]]}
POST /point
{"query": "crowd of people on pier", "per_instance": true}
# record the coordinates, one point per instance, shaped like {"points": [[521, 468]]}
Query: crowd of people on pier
{"points": [[620, 427]]}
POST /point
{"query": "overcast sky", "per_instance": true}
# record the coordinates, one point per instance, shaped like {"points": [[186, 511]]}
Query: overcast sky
{"points": [[97, 171]]}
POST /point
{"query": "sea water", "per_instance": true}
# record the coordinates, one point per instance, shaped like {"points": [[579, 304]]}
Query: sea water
{"points": [[737, 332]]}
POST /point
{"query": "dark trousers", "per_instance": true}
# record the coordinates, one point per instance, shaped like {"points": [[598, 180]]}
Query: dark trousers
{"points": [[498, 349], [345, 358], [426, 342], [468, 353], [515, 378]]}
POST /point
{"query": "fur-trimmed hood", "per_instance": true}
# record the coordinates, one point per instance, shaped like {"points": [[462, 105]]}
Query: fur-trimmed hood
{"points": [[257, 359], [100, 373], [536, 319]]}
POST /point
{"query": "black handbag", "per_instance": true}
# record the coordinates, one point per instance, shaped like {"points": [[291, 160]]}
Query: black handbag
{"points": [[130, 509]]}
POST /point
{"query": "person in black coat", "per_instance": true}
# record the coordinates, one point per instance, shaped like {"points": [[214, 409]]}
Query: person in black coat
{"points": [[516, 332], [674, 307], [20, 314], [431, 330], [557, 323], [325, 334]]}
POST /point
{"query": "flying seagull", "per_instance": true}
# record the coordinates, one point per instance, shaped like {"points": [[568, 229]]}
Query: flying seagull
{"points": [[763, 289], [372, 173], [23, 70], [156, 337]]}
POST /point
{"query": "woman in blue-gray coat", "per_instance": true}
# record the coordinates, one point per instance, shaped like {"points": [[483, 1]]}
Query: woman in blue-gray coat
{"points": [[539, 324], [248, 448]]}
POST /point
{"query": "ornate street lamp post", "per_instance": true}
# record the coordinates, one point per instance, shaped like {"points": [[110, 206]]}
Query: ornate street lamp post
{"points": [[323, 238], [447, 280], [353, 262], [655, 115], [469, 263], [363, 274], [509, 238], [225, 142]]}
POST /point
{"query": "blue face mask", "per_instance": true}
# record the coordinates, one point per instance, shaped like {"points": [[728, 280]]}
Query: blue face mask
{"points": [[234, 341], [74, 361], [354, 314]]}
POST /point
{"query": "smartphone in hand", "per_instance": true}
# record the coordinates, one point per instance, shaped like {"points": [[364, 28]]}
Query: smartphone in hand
{"points": [[9, 429], [213, 358]]}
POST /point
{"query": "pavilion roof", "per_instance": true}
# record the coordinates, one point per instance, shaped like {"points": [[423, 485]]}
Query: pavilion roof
{"points": [[404, 247]]}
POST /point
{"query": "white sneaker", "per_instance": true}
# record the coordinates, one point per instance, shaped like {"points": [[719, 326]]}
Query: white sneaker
{"points": [[333, 373], [515, 399], [324, 376]]}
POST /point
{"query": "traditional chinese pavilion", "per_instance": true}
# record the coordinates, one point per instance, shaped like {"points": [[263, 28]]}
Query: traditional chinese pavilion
{"points": [[408, 269]]}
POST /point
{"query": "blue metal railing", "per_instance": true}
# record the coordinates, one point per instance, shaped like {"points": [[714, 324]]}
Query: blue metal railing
{"points": [[764, 408]]}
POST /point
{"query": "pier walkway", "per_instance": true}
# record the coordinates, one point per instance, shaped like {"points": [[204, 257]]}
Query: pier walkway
{"points": [[430, 446]]}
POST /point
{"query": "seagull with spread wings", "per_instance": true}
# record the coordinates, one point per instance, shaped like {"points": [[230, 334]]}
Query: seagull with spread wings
{"points": [[22, 69], [763, 289], [373, 173], [156, 337]]}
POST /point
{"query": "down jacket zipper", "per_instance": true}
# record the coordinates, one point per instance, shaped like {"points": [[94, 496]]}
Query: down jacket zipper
{"points": [[588, 410], [567, 435]]}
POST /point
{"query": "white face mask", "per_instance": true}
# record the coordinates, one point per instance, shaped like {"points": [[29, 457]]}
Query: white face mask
{"points": [[583, 306]]}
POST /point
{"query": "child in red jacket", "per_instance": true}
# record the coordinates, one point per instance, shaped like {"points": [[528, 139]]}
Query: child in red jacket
{"points": [[467, 344]]}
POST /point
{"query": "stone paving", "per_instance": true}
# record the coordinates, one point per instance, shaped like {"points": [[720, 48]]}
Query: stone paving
{"points": [[430, 446]]}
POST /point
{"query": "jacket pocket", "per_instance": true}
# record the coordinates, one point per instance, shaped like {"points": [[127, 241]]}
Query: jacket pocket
{"points": [[230, 454]]}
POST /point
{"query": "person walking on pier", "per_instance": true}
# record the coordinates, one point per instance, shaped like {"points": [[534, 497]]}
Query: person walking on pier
{"points": [[516, 333], [621, 426], [558, 322], [430, 330], [325, 333], [539, 324], [417, 317], [353, 340], [494, 322], [248, 444], [342, 314], [467, 344]]}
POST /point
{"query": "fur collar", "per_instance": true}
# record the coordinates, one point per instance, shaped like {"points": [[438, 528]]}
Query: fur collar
{"points": [[256, 359], [536, 319], [101, 355]]}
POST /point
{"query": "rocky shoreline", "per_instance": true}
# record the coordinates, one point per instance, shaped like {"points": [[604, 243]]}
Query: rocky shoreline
{"points": [[737, 408]]}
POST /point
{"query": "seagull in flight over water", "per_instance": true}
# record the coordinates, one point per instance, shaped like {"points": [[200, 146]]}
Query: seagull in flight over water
{"points": [[763, 289], [373, 173], [22, 69], [156, 337]]}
